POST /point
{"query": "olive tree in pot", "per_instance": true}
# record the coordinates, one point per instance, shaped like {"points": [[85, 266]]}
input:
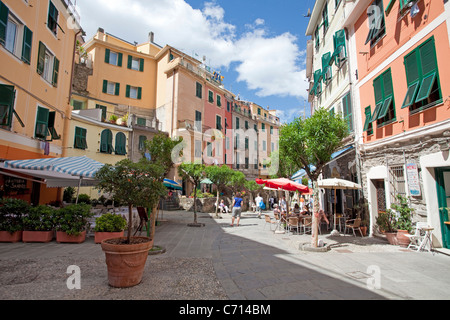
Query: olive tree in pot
{"points": [[11, 219], [38, 224], [136, 184]]}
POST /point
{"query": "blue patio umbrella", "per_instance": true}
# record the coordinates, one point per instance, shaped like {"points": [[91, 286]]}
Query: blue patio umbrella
{"points": [[172, 184]]}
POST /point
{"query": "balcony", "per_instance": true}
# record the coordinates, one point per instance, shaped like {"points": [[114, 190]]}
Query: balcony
{"points": [[71, 9]]}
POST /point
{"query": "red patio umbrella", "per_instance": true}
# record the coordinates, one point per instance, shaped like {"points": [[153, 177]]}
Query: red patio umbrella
{"points": [[284, 184]]}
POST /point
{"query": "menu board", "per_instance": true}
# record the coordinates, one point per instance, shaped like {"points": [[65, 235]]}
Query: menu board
{"points": [[413, 179]]}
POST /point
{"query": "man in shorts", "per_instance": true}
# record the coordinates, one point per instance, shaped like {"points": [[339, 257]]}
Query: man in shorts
{"points": [[236, 211], [258, 201]]}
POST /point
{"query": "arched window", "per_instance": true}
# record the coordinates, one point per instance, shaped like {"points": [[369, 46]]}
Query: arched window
{"points": [[106, 142], [121, 143]]}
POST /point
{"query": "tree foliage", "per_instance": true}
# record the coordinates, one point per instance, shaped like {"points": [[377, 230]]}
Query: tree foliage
{"points": [[194, 172], [219, 175]]}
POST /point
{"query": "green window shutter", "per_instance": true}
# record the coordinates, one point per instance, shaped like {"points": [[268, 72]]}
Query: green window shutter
{"points": [[141, 122], [107, 54], [26, 45], [425, 87], [80, 138], [105, 86], [127, 91], [237, 124], [130, 62], [106, 141], [120, 58], [368, 123], [55, 72], [326, 69], [141, 65], [117, 91], [317, 37], [7, 96], [210, 96], [339, 46], [389, 6], [348, 113], [198, 90], [121, 141], [51, 126], [410, 95], [41, 130], [412, 68], [218, 123], [142, 140], [41, 58], [4, 13], [139, 93], [378, 90], [429, 69]]}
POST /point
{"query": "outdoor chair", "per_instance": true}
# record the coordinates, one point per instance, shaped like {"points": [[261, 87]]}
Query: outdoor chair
{"points": [[418, 236], [355, 225], [306, 224], [144, 219], [269, 221], [293, 224]]}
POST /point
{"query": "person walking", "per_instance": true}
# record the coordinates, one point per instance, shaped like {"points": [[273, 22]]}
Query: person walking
{"points": [[258, 201], [237, 208]]}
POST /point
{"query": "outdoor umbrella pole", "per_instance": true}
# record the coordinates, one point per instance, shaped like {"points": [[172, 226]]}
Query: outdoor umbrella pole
{"points": [[78, 192]]}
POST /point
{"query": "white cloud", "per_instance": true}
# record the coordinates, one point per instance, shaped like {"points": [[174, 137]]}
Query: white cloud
{"points": [[269, 65]]}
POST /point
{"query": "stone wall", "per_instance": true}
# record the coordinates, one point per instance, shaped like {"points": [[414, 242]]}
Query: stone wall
{"points": [[80, 78]]}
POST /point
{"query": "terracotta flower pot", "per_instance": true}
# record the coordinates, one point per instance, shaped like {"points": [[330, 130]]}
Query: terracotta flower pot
{"points": [[62, 237], [37, 236], [100, 236], [364, 231], [6, 236], [392, 238], [402, 239], [126, 262]]}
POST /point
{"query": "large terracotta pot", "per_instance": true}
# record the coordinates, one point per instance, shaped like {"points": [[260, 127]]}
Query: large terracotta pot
{"points": [[37, 236], [100, 236], [392, 238], [61, 236], [126, 262], [402, 239], [6, 236]]}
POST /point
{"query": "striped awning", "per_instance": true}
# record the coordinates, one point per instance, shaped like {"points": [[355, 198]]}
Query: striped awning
{"points": [[172, 184], [71, 166]]}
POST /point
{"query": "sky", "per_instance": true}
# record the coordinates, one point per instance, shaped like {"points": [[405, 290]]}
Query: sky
{"points": [[259, 46]]}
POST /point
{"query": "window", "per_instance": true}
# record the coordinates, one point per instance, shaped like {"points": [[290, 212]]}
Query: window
{"points": [[246, 126], [106, 142], [14, 35], [404, 5], [210, 96], [340, 49], [264, 145], [228, 106], [48, 65], [422, 76], [111, 87], [133, 92], [135, 63], [325, 23], [77, 105], [237, 123], [326, 67], [121, 142], [141, 122], [218, 122], [219, 101], [198, 121], [317, 87], [246, 143], [368, 127], [114, 58], [316, 37], [198, 149], [347, 111], [397, 181], [384, 99], [52, 20], [263, 127], [80, 138], [142, 140], [377, 24], [271, 130], [104, 110], [198, 90], [209, 152], [7, 96], [45, 125]]}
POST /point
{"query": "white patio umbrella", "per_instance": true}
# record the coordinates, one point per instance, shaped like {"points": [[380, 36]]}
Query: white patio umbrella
{"points": [[335, 183]]}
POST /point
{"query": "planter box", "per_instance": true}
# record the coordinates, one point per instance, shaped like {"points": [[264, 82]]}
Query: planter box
{"points": [[6, 236], [37, 236], [100, 236], [62, 237]]}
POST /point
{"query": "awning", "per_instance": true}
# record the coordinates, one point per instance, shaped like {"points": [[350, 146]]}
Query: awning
{"points": [[172, 184]]}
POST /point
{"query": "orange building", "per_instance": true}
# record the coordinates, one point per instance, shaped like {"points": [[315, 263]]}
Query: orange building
{"points": [[403, 89], [37, 45]]}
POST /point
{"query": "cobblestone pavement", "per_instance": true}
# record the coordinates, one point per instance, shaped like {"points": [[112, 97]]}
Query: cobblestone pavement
{"points": [[220, 262]]}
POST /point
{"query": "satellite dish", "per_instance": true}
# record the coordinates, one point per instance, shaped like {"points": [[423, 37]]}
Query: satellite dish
{"points": [[308, 14]]}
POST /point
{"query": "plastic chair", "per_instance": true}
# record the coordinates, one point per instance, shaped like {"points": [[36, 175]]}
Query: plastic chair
{"points": [[356, 225], [293, 224], [269, 221], [418, 236]]}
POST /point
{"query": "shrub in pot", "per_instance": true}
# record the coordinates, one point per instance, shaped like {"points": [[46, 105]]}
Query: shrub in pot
{"points": [[38, 224], [386, 223], [71, 223], [404, 219], [109, 225], [11, 219]]}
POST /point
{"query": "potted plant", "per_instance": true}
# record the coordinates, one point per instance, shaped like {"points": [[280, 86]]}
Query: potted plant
{"points": [[404, 219], [386, 223], [11, 214], [136, 184], [71, 223], [113, 118], [38, 224], [109, 225]]}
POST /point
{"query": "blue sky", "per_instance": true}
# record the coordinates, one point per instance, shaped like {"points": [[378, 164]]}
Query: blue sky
{"points": [[259, 46]]}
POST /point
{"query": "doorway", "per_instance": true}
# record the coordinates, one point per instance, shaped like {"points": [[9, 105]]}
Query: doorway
{"points": [[381, 195], [443, 192]]}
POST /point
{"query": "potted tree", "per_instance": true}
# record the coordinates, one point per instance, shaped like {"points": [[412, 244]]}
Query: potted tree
{"points": [[38, 224], [404, 219], [11, 214], [195, 172], [109, 225], [135, 184], [71, 223], [386, 223]]}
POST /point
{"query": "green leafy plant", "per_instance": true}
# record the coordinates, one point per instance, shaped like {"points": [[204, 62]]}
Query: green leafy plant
{"points": [[84, 198], [113, 118], [110, 222], [386, 221], [73, 219], [11, 214], [40, 218], [68, 194], [405, 212]]}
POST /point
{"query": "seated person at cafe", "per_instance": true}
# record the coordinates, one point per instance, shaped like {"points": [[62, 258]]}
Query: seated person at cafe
{"points": [[296, 209], [276, 209]]}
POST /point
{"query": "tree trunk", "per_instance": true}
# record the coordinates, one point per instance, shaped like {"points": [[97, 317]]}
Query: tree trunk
{"points": [[217, 203], [315, 219], [130, 221], [195, 203], [152, 221]]}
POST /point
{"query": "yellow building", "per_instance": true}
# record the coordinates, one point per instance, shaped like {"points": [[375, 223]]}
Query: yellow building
{"points": [[37, 45]]}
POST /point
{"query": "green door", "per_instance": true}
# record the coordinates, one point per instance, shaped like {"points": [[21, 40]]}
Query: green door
{"points": [[443, 190]]}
